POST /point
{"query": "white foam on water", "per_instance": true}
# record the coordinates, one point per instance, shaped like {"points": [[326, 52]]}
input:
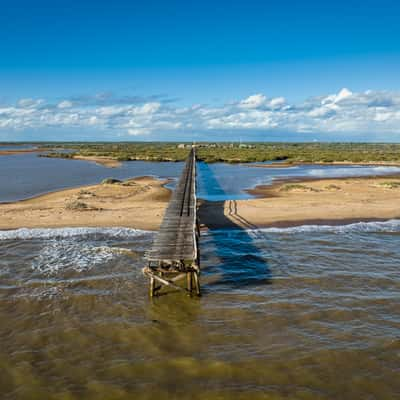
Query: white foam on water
{"points": [[72, 254], [63, 233], [353, 170], [274, 166], [389, 226], [74, 249]]}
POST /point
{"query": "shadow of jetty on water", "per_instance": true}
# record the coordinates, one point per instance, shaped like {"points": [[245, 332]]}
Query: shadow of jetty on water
{"points": [[241, 262]]}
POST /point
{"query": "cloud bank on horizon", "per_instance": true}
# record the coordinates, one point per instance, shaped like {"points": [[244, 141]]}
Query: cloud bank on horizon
{"points": [[369, 115]]}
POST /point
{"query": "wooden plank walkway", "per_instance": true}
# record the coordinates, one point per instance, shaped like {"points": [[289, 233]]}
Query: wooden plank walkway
{"points": [[175, 248]]}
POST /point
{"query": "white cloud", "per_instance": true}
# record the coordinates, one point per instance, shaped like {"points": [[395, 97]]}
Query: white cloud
{"points": [[254, 101], [26, 103], [147, 108], [336, 98], [93, 120], [247, 120], [359, 112], [343, 94], [277, 102], [65, 104], [323, 111], [111, 111], [138, 131]]}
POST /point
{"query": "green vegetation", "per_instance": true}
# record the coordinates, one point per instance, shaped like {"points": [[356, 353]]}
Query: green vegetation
{"points": [[234, 153], [55, 154], [110, 181], [390, 185], [76, 206], [332, 187], [297, 187]]}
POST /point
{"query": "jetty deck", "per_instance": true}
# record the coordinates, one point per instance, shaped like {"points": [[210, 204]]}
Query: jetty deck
{"points": [[174, 253]]}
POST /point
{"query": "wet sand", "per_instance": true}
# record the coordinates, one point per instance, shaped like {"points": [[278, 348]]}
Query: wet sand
{"points": [[140, 203]]}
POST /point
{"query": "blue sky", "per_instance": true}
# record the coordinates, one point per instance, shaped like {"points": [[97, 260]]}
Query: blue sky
{"points": [[157, 70]]}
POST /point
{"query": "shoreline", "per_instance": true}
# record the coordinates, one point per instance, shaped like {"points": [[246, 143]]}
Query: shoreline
{"points": [[134, 203], [279, 225], [309, 201], [299, 223], [284, 164], [103, 161], [67, 188], [100, 160], [266, 191], [140, 203], [22, 151]]}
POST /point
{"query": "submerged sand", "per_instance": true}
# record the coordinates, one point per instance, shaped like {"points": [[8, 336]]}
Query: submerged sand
{"points": [[141, 202]]}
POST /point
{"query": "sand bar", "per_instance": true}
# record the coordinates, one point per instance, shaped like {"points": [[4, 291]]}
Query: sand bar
{"points": [[310, 201], [22, 151], [137, 203], [104, 161], [141, 202]]}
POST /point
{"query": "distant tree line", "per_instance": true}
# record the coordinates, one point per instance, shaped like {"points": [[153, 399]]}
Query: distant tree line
{"points": [[235, 153]]}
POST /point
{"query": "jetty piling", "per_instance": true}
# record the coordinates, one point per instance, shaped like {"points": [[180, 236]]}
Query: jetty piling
{"points": [[174, 255]]}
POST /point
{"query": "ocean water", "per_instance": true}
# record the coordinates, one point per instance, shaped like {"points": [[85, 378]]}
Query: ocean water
{"points": [[309, 312]]}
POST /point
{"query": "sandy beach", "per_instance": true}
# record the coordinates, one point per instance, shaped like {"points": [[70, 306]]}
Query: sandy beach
{"points": [[300, 202], [140, 203], [137, 203]]}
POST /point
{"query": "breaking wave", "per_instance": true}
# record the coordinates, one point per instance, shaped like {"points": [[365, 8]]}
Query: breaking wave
{"points": [[392, 225], [77, 249], [69, 254], [63, 233]]}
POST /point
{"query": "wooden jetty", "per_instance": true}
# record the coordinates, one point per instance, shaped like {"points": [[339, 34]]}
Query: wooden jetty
{"points": [[175, 254]]}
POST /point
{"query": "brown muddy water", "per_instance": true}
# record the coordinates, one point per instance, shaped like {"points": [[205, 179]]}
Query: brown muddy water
{"points": [[294, 313]]}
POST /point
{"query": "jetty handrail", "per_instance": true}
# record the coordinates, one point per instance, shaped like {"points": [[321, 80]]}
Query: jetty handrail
{"points": [[195, 204], [175, 248]]}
